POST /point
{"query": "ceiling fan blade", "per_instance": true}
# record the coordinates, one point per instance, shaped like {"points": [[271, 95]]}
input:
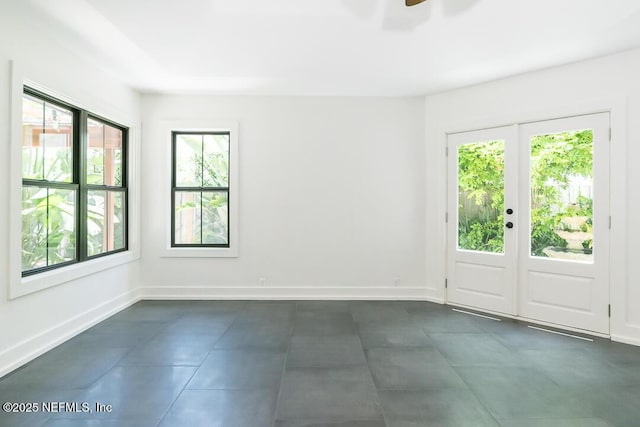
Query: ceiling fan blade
{"points": [[413, 2]]}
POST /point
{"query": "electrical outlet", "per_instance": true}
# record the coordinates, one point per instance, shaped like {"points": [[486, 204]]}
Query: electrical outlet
{"points": [[262, 281]]}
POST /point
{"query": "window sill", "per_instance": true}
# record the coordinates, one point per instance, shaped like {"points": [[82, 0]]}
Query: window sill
{"points": [[231, 252], [37, 282]]}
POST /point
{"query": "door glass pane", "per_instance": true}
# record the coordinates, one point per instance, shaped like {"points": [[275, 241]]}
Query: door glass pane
{"points": [[481, 196], [562, 195]]}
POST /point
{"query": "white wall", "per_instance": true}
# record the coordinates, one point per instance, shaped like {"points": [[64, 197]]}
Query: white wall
{"points": [[331, 199], [31, 324], [609, 83]]}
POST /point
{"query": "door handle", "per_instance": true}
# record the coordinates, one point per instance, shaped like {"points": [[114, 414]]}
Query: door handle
{"points": [[509, 224]]}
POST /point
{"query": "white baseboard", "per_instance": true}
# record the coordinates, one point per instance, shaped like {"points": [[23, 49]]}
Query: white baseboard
{"points": [[288, 293], [27, 350], [625, 339]]}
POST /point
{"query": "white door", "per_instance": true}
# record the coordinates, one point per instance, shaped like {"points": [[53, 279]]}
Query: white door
{"points": [[482, 251], [564, 263], [528, 232]]}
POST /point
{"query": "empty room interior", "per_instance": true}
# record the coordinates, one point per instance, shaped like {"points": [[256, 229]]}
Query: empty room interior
{"points": [[295, 213]]}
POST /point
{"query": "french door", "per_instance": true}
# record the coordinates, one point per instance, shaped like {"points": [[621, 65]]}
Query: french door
{"points": [[528, 226]]}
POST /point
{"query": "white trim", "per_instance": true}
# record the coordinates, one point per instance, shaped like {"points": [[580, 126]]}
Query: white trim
{"points": [[30, 348], [19, 286], [625, 339], [284, 293], [201, 125]]}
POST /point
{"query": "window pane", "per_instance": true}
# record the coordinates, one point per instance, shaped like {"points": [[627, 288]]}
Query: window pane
{"points": [[62, 226], [34, 227], [187, 218], [481, 196], [96, 226], [32, 147], [95, 152], [105, 221], [188, 161], [562, 195], [215, 217], [48, 226], [57, 139], [118, 220], [216, 161], [112, 156]]}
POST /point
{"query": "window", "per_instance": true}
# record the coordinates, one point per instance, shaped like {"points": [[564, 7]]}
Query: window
{"points": [[200, 189], [74, 194]]}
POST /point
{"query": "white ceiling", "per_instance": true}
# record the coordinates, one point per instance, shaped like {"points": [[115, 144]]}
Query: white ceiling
{"points": [[335, 47]]}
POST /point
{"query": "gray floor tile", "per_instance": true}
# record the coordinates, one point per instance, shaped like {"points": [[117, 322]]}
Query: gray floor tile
{"points": [[515, 400], [411, 369], [464, 349], [137, 392], [267, 311], [392, 334], [432, 366], [72, 422], [577, 368], [32, 395], [172, 349], [476, 376], [447, 321], [323, 323], [328, 394], [201, 323], [324, 306], [222, 408], [216, 307], [254, 334], [348, 423], [619, 406], [378, 311], [325, 351], [526, 338], [239, 369], [556, 422], [68, 366], [445, 407]]}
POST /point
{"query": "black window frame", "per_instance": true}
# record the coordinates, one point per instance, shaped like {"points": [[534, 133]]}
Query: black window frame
{"points": [[175, 188], [79, 180]]}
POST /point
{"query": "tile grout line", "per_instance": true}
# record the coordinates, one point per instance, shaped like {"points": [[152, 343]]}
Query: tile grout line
{"points": [[274, 418], [560, 333]]}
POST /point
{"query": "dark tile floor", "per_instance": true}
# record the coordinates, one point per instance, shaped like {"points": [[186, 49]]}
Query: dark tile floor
{"points": [[304, 364]]}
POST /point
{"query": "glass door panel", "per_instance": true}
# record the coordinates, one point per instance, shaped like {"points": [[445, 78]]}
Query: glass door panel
{"points": [[481, 196], [561, 183]]}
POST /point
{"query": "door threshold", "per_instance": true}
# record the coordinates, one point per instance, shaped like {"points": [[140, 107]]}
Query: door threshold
{"points": [[560, 333], [532, 321], [476, 314]]}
